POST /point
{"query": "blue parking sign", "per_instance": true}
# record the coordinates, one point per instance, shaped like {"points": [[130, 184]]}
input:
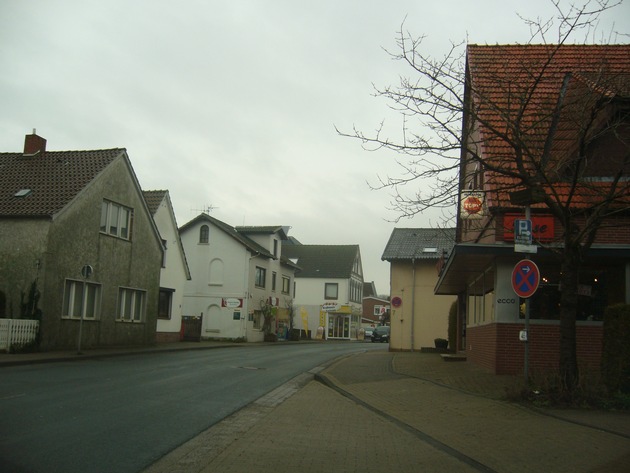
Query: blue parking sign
{"points": [[523, 232]]}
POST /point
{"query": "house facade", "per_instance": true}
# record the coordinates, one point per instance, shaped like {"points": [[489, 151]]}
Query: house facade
{"points": [[236, 276], [495, 322], [329, 289], [174, 272], [78, 247], [376, 311], [418, 316]]}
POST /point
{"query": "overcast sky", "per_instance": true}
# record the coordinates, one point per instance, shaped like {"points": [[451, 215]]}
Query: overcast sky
{"points": [[232, 104]]}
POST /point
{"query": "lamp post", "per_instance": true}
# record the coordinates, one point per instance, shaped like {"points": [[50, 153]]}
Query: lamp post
{"points": [[86, 272]]}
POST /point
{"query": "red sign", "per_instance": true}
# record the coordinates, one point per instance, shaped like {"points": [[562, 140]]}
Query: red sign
{"points": [[472, 205], [542, 227], [525, 278], [396, 301]]}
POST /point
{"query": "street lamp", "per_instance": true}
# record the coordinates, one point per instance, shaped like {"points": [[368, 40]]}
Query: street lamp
{"points": [[86, 272]]}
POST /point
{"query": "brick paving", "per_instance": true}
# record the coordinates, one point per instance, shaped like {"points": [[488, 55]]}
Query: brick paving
{"points": [[405, 412]]}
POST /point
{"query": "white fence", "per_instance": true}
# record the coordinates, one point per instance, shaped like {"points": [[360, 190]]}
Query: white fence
{"points": [[17, 332]]}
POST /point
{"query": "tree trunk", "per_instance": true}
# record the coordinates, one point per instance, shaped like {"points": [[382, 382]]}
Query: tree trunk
{"points": [[568, 308]]}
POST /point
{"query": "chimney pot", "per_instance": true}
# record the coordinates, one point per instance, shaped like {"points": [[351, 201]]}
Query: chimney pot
{"points": [[34, 144]]}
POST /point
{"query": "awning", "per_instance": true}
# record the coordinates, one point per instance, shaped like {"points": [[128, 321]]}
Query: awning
{"points": [[468, 261]]}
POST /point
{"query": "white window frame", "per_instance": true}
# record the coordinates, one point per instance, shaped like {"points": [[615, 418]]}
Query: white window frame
{"points": [[113, 221], [90, 306], [257, 320], [131, 304], [331, 285], [286, 285], [260, 277]]}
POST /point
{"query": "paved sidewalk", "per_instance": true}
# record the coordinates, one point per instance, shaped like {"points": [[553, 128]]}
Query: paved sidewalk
{"points": [[403, 412]]}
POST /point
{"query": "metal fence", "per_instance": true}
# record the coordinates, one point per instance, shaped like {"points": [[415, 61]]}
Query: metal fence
{"points": [[17, 332]]}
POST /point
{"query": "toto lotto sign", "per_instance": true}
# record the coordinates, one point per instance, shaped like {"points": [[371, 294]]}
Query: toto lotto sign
{"points": [[472, 205]]}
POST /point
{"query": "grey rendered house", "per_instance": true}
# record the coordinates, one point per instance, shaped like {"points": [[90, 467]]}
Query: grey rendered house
{"points": [[60, 212]]}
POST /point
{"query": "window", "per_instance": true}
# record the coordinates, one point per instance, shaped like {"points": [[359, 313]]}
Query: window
{"points": [[204, 234], [275, 248], [165, 303], [286, 285], [74, 300], [116, 220], [258, 318], [331, 290], [261, 276], [273, 281], [131, 304], [356, 290]]}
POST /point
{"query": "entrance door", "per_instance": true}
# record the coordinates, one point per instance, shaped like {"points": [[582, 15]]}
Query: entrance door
{"points": [[338, 326]]}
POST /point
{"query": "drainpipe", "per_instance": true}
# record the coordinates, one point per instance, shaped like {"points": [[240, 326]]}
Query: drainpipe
{"points": [[413, 297]]}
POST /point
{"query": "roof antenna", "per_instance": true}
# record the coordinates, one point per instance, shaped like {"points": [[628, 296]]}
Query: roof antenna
{"points": [[206, 209]]}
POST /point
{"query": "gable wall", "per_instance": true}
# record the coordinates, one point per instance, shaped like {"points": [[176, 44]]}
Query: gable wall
{"points": [[173, 275], [429, 312], [74, 240]]}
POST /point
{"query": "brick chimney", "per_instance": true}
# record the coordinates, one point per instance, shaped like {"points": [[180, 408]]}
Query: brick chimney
{"points": [[34, 144]]}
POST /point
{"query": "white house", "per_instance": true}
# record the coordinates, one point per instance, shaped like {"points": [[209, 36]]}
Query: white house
{"points": [[329, 288], [237, 273], [174, 272]]}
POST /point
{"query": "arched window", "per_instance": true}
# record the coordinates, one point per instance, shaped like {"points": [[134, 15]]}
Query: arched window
{"points": [[204, 234]]}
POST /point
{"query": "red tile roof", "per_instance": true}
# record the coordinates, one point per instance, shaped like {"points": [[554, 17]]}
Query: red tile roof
{"points": [[53, 177], [154, 199], [523, 82]]}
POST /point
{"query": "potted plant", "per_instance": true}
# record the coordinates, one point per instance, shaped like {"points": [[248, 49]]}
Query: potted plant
{"points": [[441, 343]]}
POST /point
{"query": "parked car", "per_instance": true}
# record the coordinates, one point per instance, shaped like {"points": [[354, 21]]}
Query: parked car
{"points": [[381, 334], [367, 334]]}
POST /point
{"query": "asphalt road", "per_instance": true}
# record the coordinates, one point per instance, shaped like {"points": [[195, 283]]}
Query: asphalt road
{"points": [[121, 414]]}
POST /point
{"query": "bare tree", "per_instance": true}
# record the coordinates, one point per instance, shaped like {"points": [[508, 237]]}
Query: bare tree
{"points": [[552, 143]]}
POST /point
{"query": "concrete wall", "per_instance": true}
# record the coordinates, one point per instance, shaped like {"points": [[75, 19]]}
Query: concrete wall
{"points": [[422, 313], [22, 254], [219, 269]]}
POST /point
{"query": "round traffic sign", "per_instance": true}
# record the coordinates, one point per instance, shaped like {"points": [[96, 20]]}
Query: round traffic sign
{"points": [[525, 278], [396, 301]]}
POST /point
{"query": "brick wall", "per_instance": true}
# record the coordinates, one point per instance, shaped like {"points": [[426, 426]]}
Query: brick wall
{"points": [[498, 348], [613, 229]]}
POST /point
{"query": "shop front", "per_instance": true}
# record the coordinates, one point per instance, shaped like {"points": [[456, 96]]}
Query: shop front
{"points": [[492, 317], [341, 322]]}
